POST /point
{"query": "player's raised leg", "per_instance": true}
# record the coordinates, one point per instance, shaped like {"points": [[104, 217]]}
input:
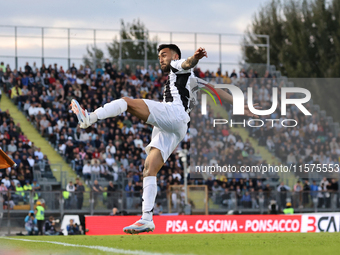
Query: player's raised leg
{"points": [[153, 164], [136, 107]]}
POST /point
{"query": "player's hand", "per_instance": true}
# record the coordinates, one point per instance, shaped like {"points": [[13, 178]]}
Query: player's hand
{"points": [[248, 113], [200, 53]]}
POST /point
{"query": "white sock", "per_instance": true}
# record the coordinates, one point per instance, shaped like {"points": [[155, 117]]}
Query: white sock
{"points": [[149, 196], [112, 109]]}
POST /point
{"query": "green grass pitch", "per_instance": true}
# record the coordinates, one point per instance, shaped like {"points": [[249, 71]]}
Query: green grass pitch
{"points": [[238, 244]]}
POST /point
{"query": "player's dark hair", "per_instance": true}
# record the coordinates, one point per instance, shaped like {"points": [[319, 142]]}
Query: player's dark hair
{"points": [[173, 47]]}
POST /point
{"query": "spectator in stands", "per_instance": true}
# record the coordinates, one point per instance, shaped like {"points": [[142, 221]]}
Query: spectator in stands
{"points": [[21, 177], [28, 174], [306, 191], [129, 191], [2, 67], [19, 191], [270, 143], [291, 159], [246, 200], [16, 91], [6, 181], [12, 147], [176, 175], [138, 192], [17, 159], [97, 191], [80, 189], [70, 187], [108, 66], [78, 164], [158, 209], [283, 189], [216, 192], [226, 198], [36, 187], [3, 192], [87, 171], [324, 181], [109, 160], [233, 75], [95, 169], [131, 168], [314, 188], [322, 195], [297, 199], [31, 224], [39, 154], [30, 160], [124, 161], [27, 188], [111, 198], [44, 124]]}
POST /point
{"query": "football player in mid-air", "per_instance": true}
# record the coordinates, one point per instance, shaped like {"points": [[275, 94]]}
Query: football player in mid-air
{"points": [[169, 118]]}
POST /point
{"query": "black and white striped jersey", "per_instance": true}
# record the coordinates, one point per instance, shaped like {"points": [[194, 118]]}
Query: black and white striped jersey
{"points": [[177, 87]]}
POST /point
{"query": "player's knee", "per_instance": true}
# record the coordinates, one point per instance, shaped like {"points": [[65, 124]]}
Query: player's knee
{"points": [[127, 99]]}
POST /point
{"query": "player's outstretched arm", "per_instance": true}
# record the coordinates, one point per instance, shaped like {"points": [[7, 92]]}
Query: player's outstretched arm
{"points": [[193, 60]]}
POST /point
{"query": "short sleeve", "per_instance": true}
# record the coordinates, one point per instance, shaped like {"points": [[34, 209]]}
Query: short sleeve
{"points": [[176, 65]]}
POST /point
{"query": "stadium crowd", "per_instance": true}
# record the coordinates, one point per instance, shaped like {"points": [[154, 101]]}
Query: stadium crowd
{"points": [[20, 180], [114, 148]]}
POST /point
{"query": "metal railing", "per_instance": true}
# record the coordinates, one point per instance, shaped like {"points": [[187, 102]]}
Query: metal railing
{"points": [[100, 37], [16, 205], [264, 201], [130, 202]]}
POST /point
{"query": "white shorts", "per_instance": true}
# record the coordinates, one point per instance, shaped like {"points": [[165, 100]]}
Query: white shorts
{"points": [[170, 123]]}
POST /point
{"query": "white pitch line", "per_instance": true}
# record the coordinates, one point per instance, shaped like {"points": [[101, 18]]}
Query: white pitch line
{"points": [[100, 248]]}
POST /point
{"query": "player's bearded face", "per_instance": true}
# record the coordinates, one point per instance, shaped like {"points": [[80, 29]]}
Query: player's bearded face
{"points": [[165, 57]]}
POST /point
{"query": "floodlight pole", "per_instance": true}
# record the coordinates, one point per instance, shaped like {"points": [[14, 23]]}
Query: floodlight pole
{"points": [[95, 50], [220, 51], [16, 47], [145, 53], [42, 46], [268, 53], [195, 42], [68, 48], [120, 54]]}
